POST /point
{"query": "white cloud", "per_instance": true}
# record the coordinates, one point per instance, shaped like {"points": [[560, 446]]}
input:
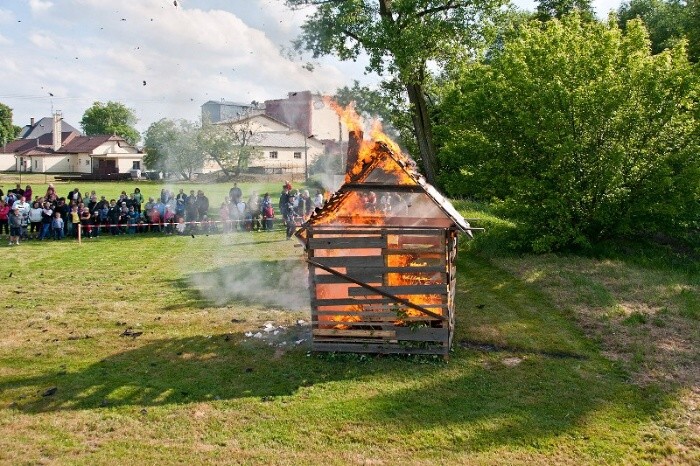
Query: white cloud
{"points": [[6, 16], [90, 50], [40, 6]]}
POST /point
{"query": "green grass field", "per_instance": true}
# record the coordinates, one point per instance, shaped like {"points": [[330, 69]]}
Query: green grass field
{"points": [[142, 350]]}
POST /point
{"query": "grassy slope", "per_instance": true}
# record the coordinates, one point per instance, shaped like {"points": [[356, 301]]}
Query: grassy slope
{"points": [[526, 383]]}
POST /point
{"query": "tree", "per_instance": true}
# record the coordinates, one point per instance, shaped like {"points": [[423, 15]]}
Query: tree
{"points": [[666, 21], [110, 118], [7, 129], [172, 146], [400, 38], [232, 146], [158, 140], [549, 9], [581, 131]]}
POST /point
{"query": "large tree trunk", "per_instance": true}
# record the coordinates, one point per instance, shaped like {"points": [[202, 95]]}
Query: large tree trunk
{"points": [[423, 129]]}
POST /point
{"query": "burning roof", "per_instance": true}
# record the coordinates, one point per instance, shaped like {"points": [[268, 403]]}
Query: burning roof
{"points": [[384, 187]]}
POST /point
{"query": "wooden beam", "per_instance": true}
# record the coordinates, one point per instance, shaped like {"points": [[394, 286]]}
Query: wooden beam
{"points": [[377, 290]]}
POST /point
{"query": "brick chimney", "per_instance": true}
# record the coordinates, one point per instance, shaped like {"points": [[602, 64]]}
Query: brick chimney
{"points": [[354, 143], [57, 140]]}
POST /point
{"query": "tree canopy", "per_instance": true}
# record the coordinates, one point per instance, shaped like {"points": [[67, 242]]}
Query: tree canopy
{"points": [[7, 129], [668, 21], [110, 118], [400, 38], [580, 130]]}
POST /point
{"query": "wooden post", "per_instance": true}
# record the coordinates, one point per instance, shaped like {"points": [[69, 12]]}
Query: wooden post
{"points": [[80, 228]]}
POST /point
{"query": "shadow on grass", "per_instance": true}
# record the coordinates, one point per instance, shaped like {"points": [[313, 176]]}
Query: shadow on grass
{"points": [[495, 403]]}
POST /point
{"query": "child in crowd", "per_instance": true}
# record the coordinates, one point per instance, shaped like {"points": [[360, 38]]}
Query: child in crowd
{"points": [[181, 226], [57, 226], [74, 220], [15, 221]]}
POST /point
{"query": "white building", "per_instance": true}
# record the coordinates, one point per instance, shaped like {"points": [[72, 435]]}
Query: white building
{"points": [[70, 152]]}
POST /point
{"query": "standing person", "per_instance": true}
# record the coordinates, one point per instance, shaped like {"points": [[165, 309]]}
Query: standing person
{"points": [[57, 226], [254, 209], [268, 212], [138, 200], [4, 212], [46, 220], [318, 199], [74, 220], [290, 218], [284, 199], [202, 204], [34, 221], [235, 193], [23, 208], [15, 221], [28, 193], [180, 203]]}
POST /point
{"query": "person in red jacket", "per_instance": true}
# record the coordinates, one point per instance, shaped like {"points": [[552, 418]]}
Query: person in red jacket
{"points": [[4, 211]]}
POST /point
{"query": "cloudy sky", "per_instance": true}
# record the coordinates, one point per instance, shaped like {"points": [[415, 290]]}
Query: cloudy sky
{"points": [[158, 58]]}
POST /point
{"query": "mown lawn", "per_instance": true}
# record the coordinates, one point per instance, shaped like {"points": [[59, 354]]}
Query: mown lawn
{"points": [[537, 375]]}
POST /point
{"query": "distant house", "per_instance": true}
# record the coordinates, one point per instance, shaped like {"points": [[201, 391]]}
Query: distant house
{"points": [[36, 129], [283, 149], [59, 151]]}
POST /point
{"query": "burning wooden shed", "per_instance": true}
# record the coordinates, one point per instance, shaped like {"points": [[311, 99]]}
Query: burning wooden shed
{"points": [[381, 255]]}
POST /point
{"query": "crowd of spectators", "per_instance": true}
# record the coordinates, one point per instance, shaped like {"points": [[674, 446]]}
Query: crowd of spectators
{"points": [[24, 215]]}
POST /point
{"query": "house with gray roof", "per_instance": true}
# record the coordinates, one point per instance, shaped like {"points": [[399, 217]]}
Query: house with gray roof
{"points": [[69, 152]]}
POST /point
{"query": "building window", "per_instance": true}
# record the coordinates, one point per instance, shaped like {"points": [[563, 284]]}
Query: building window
{"points": [[36, 164], [273, 154], [136, 165], [87, 162], [297, 155]]}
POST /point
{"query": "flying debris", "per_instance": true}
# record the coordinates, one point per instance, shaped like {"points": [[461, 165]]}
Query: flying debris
{"points": [[123, 19], [175, 3], [51, 94], [144, 83]]}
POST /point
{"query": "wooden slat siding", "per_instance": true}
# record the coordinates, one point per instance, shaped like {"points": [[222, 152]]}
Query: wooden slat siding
{"points": [[422, 334], [378, 291], [436, 251], [375, 278], [379, 319], [347, 243], [331, 332], [349, 301], [319, 232], [410, 269], [349, 261], [406, 290], [372, 307], [375, 349], [401, 332]]}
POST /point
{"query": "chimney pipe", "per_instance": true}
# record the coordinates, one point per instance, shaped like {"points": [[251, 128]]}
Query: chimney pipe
{"points": [[57, 139], [354, 143], [31, 121]]}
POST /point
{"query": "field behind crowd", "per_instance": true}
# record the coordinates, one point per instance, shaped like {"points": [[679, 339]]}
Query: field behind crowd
{"points": [[111, 190], [176, 349]]}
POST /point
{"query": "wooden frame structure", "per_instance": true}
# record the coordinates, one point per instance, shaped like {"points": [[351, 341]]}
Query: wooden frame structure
{"points": [[381, 257]]}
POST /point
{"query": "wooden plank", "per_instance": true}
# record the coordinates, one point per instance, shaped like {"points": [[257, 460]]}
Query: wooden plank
{"points": [[326, 332], [400, 290], [372, 307], [347, 242], [367, 278], [350, 261], [422, 334], [376, 348], [409, 269], [320, 230]]}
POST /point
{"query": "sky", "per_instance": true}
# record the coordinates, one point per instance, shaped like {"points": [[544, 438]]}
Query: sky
{"points": [[161, 58]]}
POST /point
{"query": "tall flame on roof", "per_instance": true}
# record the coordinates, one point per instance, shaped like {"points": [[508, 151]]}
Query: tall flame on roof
{"points": [[372, 149]]}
